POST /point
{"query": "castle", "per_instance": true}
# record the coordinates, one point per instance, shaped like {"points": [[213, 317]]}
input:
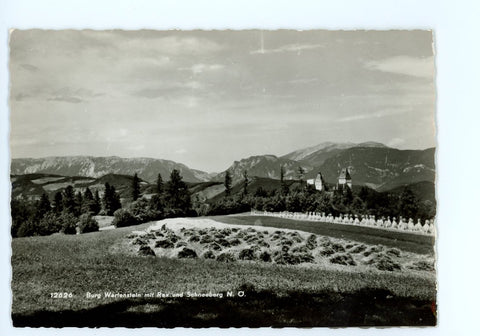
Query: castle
{"points": [[344, 179], [317, 182]]}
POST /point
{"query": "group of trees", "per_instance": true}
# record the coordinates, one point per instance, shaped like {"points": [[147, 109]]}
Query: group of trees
{"points": [[172, 199], [69, 212], [302, 197]]}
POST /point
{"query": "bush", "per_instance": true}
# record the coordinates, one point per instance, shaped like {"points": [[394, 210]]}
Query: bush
{"points": [[145, 250], [208, 255], [87, 224], [247, 254], [265, 256], [384, 263], [422, 266], [235, 242], [394, 252], [226, 257], [181, 244], [215, 247], [187, 253], [194, 239], [343, 259], [358, 248], [223, 242], [123, 218], [206, 238], [139, 241], [68, 222], [164, 243]]}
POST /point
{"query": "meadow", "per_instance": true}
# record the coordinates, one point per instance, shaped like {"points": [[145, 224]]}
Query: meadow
{"points": [[275, 294]]}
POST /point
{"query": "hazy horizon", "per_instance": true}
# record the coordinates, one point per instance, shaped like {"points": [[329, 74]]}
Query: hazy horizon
{"points": [[208, 98]]}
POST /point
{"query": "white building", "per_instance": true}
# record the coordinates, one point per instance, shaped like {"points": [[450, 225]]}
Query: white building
{"points": [[317, 182]]}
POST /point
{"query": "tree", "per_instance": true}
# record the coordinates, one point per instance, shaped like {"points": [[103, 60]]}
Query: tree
{"points": [[408, 204], [91, 205], [58, 202], [245, 183], [69, 200], [135, 187], [78, 203], [283, 184], [228, 183], [43, 206], [177, 192], [300, 173], [97, 203], [159, 184], [111, 200]]}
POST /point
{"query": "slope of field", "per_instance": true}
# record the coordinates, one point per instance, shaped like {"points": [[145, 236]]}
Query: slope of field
{"points": [[275, 295]]}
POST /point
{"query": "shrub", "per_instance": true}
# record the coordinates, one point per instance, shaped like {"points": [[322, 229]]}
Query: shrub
{"points": [[284, 258], [235, 242], [194, 239], [164, 243], [181, 244], [311, 243], [123, 218], [226, 257], [145, 250], [300, 249], [208, 255], [327, 251], [215, 247], [223, 242], [263, 243], [394, 252], [187, 253], [343, 259], [422, 266], [265, 256], [247, 254], [173, 237], [159, 234], [358, 248], [68, 223], [373, 249], [139, 241], [305, 257], [87, 224], [384, 263], [206, 239]]}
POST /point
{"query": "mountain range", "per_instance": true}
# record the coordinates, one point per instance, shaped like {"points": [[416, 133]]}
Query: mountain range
{"points": [[372, 164]]}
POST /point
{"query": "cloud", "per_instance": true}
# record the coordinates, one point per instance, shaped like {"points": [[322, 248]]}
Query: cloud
{"points": [[199, 68], [69, 95], [378, 114], [29, 67], [288, 48], [404, 65]]}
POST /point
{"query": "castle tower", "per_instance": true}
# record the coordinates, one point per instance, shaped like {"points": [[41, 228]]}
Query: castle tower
{"points": [[318, 182], [345, 178]]}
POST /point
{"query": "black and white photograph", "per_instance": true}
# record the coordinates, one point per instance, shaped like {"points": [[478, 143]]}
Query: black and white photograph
{"points": [[223, 178]]}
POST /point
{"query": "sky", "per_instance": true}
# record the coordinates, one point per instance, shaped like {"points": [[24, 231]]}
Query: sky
{"points": [[207, 98]]}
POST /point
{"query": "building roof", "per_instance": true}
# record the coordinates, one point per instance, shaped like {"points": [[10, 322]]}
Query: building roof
{"points": [[344, 174]]}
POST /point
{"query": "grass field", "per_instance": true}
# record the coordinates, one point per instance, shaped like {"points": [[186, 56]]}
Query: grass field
{"points": [[416, 243], [275, 295]]}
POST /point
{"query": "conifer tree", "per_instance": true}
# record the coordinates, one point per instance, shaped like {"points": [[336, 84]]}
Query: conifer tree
{"points": [[228, 183], [135, 187], [43, 206], [58, 202], [159, 184], [245, 182]]}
